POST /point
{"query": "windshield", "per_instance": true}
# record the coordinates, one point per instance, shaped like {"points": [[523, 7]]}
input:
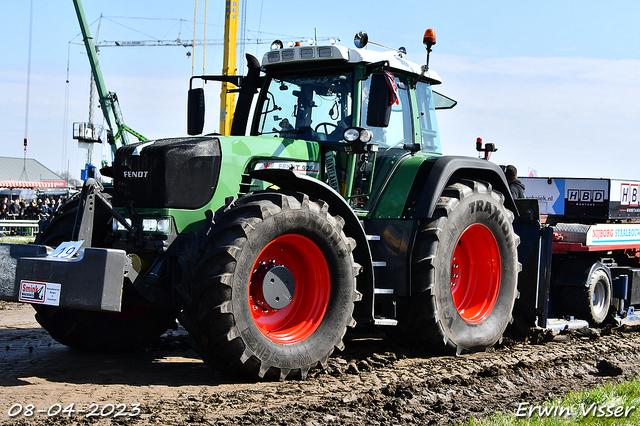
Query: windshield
{"points": [[311, 108]]}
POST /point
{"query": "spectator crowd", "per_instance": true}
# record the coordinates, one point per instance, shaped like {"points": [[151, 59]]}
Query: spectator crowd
{"points": [[33, 210]]}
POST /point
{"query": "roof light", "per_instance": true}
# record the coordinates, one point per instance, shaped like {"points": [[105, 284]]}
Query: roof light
{"points": [[298, 43], [429, 38], [277, 45]]}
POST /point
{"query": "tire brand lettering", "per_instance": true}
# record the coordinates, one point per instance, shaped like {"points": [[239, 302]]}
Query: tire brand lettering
{"points": [[330, 164], [494, 214], [259, 351], [292, 361], [497, 216], [477, 206]]}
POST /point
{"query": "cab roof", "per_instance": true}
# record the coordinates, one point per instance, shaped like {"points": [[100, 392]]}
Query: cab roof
{"points": [[308, 54]]}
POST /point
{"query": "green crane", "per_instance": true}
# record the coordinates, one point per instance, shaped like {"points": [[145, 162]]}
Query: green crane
{"points": [[108, 100]]}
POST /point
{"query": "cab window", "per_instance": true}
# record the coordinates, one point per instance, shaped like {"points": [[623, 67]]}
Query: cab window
{"points": [[311, 108], [399, 130], [428, 125]]}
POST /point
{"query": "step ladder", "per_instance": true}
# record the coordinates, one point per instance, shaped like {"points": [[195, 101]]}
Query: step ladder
{"points": [[384, 300]]}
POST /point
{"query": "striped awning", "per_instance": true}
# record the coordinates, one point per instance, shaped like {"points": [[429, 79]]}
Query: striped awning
{"points": [[23, 184]]}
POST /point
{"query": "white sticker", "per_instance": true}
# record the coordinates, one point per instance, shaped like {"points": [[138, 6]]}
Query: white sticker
{"points": [[66, 249], [306, 167], [39, 292]]}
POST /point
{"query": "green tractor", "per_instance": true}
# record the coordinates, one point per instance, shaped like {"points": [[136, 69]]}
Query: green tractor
{"points": [[330, 204]]}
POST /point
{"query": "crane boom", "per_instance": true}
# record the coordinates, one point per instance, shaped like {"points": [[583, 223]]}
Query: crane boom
{"points": [[108, 100]]}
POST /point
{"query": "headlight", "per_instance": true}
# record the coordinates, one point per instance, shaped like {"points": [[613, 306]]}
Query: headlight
{"points": [[117, 226], [161, 225], [164, 225], [353, 134], [155, 225], [366, 135]]}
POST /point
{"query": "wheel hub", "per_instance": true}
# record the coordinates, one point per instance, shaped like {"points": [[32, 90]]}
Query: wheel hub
{"points": [[475, 274], [273, 286]]}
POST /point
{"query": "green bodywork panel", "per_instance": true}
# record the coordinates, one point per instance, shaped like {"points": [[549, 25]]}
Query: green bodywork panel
{"points": [[395, 194], [240, 154]]}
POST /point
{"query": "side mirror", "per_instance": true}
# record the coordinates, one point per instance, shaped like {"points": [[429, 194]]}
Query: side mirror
{"points": [[379, 111], [195, 111]]}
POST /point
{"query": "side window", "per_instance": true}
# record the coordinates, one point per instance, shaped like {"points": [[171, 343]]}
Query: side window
{"points": [[399, 130], [428, 124]]}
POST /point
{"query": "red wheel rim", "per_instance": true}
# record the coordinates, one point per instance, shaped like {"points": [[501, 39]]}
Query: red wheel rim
{"points": [[475, 273], [304, 313]]}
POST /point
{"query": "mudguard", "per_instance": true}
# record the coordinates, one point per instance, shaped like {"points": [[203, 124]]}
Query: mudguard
{"points": [[438, 174]]}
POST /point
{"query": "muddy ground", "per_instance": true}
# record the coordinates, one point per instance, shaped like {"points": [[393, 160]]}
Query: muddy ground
{"points": [[372, 382]]}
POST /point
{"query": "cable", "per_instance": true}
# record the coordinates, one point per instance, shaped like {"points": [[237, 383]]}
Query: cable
{"points": [[23, 175]]}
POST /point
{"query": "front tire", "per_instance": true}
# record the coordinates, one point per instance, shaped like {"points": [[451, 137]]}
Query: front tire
{"points": [[274, 287], [464, 274]]}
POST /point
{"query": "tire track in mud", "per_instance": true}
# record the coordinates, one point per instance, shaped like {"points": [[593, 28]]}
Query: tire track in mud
{"points": [[372, 382]]}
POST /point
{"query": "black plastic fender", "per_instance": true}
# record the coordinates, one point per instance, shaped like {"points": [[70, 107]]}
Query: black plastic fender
{"points": [[575, 271], [440, 173], [289, 180]]}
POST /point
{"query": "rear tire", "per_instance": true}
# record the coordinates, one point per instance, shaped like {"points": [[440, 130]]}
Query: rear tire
{"points": [[274, 287], [137, 326], [464, 274]]}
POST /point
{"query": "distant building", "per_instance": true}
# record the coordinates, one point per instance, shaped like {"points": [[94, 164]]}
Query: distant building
{"points": [[28, 172], [23, 178]]}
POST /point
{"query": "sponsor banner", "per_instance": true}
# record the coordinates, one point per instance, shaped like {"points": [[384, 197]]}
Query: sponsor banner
{"points": [[625, 199], [39, 292], [569, 196], [611, 234]]}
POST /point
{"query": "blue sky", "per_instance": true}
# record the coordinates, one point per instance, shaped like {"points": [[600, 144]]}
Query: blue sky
{"points": [[554, 84]]}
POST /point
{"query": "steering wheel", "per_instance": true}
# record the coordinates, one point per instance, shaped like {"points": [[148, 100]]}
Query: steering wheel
{"points": [[326, 126]]}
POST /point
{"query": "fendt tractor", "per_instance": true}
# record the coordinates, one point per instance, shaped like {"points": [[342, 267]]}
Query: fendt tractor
{"points": [[330, 204]]}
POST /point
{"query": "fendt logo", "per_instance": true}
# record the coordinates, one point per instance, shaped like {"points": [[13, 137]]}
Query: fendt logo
{"points": [[629, 194], [135, 174]]}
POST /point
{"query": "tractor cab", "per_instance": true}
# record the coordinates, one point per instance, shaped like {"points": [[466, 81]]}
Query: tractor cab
{"points": [[366, 110]]}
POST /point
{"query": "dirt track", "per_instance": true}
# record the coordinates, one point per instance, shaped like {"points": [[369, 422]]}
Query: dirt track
{"points": [[372, 382]]}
